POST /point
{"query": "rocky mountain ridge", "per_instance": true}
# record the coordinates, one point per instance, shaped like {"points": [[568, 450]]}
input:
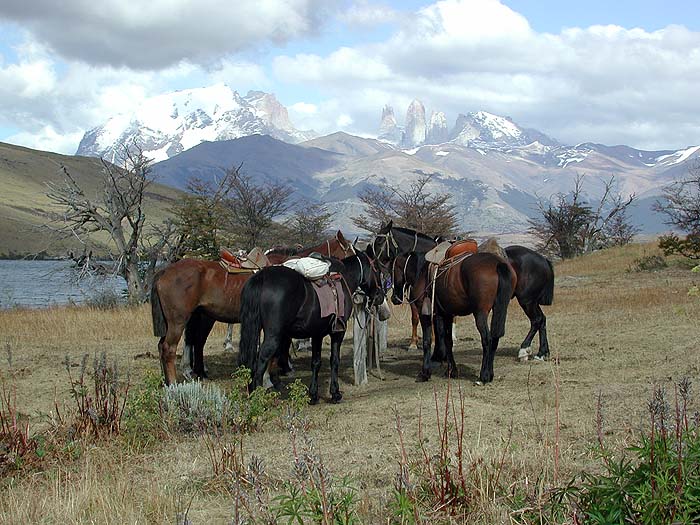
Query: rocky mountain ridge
{"points": [[169, 124]]}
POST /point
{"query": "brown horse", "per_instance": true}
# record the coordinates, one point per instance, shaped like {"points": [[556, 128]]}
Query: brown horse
{"points": [[190, 295], [476, 284]]}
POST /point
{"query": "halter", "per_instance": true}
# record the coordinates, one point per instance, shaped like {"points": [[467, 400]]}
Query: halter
{"points": [[389, 240], [351, 249]]}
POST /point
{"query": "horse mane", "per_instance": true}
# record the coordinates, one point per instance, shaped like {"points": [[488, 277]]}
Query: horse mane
{"points": [[409, 231], [283, 250]]}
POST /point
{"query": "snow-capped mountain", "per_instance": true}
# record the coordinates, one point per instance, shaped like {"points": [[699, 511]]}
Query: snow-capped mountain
{"points": [[168, 124]]}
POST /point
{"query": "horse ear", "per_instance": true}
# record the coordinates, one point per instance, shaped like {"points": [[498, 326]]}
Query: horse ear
{"points": [[387, 227], [340, 236]]}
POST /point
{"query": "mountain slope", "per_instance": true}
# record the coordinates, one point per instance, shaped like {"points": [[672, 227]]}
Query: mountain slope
{"points": [[259, 156], [24, 174]]}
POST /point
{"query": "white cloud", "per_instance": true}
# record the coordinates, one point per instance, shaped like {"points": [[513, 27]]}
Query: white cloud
{"points": [[161, 33], [601, 83], [363, 14]]}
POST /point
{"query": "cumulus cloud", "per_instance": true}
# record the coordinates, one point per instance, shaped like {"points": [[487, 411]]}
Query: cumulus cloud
{"points": [[602, 83], [363, 14], [160, 33]]}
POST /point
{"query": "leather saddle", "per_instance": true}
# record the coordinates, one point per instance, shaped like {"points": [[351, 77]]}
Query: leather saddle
{"points": [[253, 261]]}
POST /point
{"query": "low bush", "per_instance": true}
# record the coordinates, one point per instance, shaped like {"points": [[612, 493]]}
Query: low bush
{"points": [[648, 263], [657, 481], [198, 407], [99, 399]]}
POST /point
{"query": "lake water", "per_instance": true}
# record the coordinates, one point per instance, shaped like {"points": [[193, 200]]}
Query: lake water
{"points": [[39, 284]]}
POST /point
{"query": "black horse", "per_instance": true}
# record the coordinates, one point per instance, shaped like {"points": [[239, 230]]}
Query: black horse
{"points": [[282, 303], [535, 286]]}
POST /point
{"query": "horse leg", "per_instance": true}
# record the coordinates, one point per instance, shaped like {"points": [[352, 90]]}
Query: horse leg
{"points": [[316, 342], [268, 349], [284, 363], [425, 324], [443, 327], [481, 319], [447, 328], [336, 340], [228, 342], [204, 326], [544, 344], [531, 312], [167, 348], [415, 320]]}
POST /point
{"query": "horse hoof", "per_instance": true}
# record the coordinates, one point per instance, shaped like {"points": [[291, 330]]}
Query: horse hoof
{"points": [[313, 400], [450, 373], [524, 355], [422, 377], [336, 398], [478, 383], [540, 358]]}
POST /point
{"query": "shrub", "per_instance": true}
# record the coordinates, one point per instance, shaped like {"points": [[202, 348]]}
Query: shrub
{"points": [[648, 263], [104, 300], [659, 483], [99, 407], [143, 424], [195, 406]]}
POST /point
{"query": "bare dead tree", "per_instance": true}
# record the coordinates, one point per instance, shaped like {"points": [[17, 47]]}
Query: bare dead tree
{"points": [[118, 210], [569, 226], [414, 208], [681, 205], [251, 208]]}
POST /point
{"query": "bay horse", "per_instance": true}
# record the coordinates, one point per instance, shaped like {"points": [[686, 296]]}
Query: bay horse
{"points": [[535, 277], [190, 295], [476, 284], [282, 303]]}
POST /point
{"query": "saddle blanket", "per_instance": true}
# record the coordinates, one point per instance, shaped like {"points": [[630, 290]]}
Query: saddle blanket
{"points": [[331, 295]]}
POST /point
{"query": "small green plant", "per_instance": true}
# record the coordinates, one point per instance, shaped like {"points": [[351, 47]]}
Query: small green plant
{"points": [[99, 405], [687, 247], [16, 444], [648, 263], [659, 483], [195, 406], [198, 407], [143, 417]]}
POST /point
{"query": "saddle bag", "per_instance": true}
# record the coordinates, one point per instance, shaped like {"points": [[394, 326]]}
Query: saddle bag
{"points": [[309, 267]]}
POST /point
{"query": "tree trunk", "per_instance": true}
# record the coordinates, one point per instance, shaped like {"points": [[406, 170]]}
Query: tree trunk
{"points": [[134, 285]]}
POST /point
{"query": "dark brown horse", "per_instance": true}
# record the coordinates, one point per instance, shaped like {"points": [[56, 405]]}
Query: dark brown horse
{"points": [[472, 285], [190, 295], [535, 275]]}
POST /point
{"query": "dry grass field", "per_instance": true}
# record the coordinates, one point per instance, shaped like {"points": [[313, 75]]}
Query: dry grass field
{"points": [[612, 332]]}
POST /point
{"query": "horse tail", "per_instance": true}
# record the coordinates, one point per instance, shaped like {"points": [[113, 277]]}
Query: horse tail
{"points": [[251, 322], [547, 295], [160, 324], [503, 295]]}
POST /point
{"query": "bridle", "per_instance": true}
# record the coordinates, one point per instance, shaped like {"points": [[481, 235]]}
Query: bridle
{"points": [[350, 249]]}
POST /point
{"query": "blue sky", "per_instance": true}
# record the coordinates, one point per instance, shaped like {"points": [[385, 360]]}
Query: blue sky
{"points": [[623, 72]]}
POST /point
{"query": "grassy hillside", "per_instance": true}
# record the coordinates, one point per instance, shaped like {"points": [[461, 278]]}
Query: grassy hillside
{"points": [[24, 174], [612, 332]]}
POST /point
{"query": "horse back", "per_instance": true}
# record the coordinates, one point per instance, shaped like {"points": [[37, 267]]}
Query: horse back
{"points": [[188, 284], [535, 275]]}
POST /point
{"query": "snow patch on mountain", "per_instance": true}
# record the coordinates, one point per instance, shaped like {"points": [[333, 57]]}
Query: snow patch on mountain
{"points": [[168, 124]]}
